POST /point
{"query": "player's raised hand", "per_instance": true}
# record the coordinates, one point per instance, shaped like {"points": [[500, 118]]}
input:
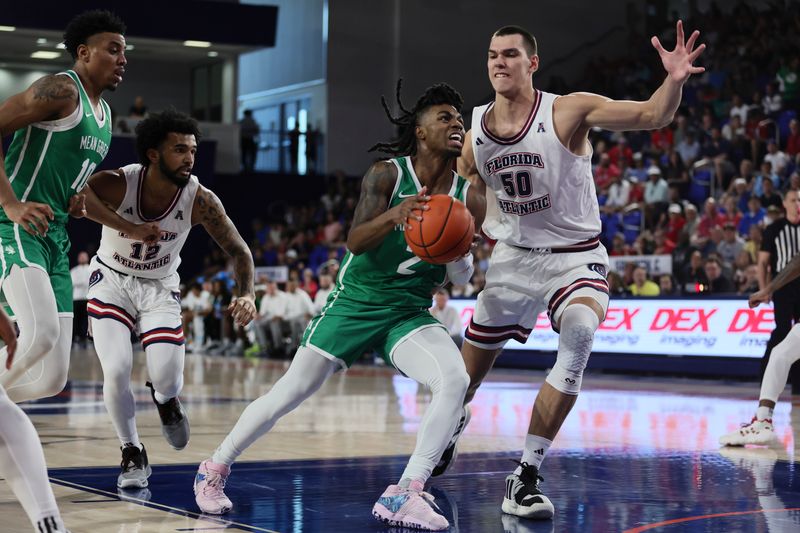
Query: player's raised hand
{"points": [[401, 214], [33, 217], [77, 206], [9, 336], [678, 63], [243, 310], [759, 297], [148, 233]]}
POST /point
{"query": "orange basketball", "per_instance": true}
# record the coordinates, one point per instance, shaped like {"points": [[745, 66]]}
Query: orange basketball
{"points": [[444, 233]]}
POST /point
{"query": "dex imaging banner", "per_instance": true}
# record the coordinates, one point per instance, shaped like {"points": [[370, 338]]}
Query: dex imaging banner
{"points": [[719, 328]]}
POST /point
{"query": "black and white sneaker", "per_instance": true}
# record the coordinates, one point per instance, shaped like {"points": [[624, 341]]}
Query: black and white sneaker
{"points": [[135, 468], [451, 452], [174, 422], [523, 497]]}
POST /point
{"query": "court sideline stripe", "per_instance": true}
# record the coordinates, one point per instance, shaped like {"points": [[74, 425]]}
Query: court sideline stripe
{"points": [[705, 517], [161, 507]]}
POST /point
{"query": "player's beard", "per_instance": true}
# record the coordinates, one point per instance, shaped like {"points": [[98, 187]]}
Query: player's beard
{"points": [[172, 175]]}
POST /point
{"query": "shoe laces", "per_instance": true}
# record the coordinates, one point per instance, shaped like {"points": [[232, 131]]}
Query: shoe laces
{"points": [[131, 457], [215, 482], [428, 498], [529, 472]]}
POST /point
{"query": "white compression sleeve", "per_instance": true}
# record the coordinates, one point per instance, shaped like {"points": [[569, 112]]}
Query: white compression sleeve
{"points": [[42, 334], [307, 373], [112, 341], [430, 357], [22, 464], [781, 360]]}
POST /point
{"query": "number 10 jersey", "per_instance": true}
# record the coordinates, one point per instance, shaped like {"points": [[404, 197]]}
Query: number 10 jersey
{"points": [[545, 194], [155, 261]]}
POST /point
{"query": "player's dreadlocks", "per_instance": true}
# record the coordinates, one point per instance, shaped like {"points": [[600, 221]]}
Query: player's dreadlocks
{"points": [[406, 141]]}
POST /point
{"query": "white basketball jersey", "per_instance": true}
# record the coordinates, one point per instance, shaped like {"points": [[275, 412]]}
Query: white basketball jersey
{"points": [[545, 195], [156, 261]]}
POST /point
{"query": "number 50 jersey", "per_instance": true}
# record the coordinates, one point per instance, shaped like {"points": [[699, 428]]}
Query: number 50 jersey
{"points": [[154, 261], [545, 193]]}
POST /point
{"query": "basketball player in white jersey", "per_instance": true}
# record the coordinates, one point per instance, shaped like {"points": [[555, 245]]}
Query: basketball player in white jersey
{"points": [[531, 150], [787, 352], [133, 288]]}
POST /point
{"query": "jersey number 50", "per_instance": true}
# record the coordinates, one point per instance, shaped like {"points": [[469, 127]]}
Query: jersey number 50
{"points": [[517, 183]]}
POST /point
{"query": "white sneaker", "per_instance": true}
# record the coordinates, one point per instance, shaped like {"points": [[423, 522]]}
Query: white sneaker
{"points": [[756, 432]]}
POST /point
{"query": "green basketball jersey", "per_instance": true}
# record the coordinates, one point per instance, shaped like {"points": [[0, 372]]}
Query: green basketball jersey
{"points": [[49, 161], [390, 275]]}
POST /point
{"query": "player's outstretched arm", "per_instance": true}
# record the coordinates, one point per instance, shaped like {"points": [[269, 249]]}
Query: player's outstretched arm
{"points": [[789, 273], [209, 212], [372, 221], [586, 110], [103, 194], [49, 98]]}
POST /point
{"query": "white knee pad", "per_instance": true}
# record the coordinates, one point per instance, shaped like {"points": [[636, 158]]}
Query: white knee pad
{"points": [[578, 324]]}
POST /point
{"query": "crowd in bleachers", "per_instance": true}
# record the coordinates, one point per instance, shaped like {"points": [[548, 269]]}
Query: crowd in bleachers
{"points": [[700, 190]]}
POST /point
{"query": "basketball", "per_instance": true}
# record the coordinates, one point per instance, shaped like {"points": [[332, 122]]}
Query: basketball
{"points": [[444, 233]]}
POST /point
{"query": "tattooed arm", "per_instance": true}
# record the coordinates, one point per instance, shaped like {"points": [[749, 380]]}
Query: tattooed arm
{"points": [[372, 221], [209, 212], [49, 98]]}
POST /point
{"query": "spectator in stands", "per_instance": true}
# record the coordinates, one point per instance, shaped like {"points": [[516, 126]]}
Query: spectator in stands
{"points": [[730, 211], [618, 246], [272, 319], [196, 305], [749, 283], [769, 195], [138, 109], [733, 129], [249, 131], [605, 172], [754, 216], [621, 153], [294, 148], [692, 220], [793, 141], [637, 169], [656, 196], [661, 244], [661, 141], [772, 103], [309, 284], [675, 223], [773, 213], [619, 191], [731, 245], [788, 78], [718, 283], [776, 158], [325, 288], [616, 287], [689, 149], [739, 108], [641, 285], [693, 273], [676, 173], [447, 315], [711, 218], [666, 286], [299, 310]]}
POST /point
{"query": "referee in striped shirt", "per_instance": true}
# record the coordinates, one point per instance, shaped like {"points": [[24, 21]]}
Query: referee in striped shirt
{"points": [[780, 244]]}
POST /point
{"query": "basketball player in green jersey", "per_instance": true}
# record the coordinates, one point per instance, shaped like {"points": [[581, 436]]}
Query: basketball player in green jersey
{"points": [[381, 302], [62, 131]]}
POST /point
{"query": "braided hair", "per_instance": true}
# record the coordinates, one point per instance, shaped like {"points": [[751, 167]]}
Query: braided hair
{"points": [[406, 122]]}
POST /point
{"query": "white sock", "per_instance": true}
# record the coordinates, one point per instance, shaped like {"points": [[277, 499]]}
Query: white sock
{"points": [[763, 412], [535, 449]]}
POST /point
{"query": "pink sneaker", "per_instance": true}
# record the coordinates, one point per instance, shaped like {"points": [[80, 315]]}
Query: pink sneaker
{"points": [[409, 507], [209, 485]]}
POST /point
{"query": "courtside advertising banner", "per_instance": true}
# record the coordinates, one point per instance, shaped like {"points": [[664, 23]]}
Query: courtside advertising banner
{"points": [[707, 327]]}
